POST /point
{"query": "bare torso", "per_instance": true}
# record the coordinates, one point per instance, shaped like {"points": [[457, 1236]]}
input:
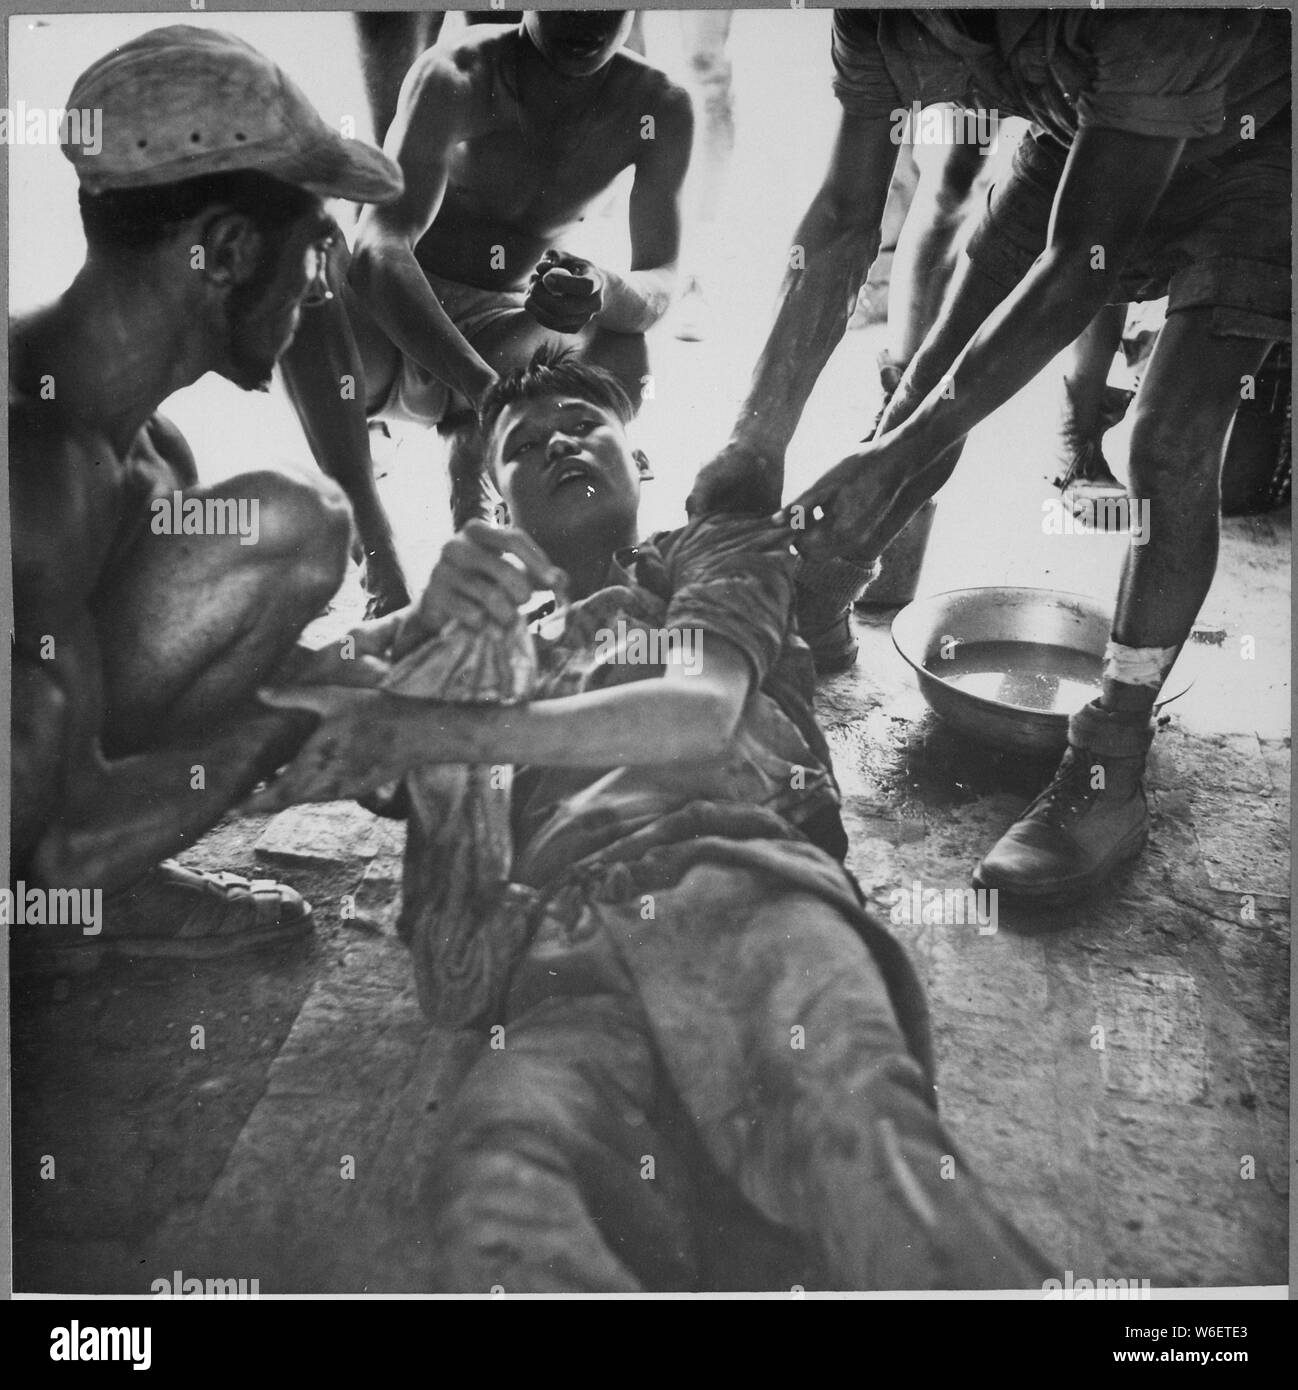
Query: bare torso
{"points": [[527, 172]]}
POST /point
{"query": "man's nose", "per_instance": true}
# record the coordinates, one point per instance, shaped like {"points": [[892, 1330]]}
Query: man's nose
{"points": [[561, 445]]}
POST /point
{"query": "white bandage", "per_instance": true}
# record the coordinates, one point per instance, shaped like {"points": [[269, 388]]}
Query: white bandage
{"points": [[1138, 665]]}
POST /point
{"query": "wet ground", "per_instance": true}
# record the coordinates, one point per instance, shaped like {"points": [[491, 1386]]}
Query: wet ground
{"points": [[285, 1147]]}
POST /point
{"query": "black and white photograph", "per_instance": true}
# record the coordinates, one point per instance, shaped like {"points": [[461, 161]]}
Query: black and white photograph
{"points": [[650, 656]]}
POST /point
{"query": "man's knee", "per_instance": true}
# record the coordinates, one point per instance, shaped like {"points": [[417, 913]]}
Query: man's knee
{"points": [[303, 526], [1178, 449]]}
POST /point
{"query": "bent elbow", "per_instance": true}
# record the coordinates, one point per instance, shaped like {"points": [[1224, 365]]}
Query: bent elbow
{"points": [[717, 721], [1080, 278]]}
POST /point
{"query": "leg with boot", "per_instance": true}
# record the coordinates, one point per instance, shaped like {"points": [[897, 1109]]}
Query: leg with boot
{"points": [[1093, 816]]}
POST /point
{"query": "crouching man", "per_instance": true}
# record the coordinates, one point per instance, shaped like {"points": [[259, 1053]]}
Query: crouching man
{"points": [[715, 1070], [148, 609]]}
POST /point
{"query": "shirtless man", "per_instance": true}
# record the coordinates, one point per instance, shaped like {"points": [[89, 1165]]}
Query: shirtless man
{"points": [[1158, 163], [148, 608], [505, 139]]}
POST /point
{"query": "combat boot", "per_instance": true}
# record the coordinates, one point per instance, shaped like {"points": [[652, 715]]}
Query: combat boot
{"points": [[1092, 817]]}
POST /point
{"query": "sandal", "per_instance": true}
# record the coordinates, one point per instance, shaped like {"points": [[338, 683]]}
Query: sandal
{"points": [[181, 913]]}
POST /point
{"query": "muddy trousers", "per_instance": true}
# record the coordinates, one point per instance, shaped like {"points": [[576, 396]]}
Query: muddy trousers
{"points": [[589, 1151]]}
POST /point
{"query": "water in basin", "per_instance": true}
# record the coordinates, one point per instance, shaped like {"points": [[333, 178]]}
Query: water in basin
{"points": [[1028, 675]]}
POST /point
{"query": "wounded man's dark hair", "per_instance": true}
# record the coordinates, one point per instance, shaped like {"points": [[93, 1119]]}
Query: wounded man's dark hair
{"points": [[555, 372]]}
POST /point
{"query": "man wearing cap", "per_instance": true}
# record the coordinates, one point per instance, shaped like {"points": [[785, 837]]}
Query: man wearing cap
{"points": [[506, 139], [148, 609]]}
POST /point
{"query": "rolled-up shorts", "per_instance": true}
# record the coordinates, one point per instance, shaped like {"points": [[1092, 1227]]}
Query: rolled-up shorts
{"points": [[416, 395], [1218, 238]]}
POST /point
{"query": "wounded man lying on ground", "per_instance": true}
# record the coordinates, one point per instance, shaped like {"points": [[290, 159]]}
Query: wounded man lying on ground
{"points": [[715, 1071]]}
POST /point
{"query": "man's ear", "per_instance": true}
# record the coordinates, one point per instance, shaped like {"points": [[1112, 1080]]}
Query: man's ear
{"points": [[232, 249], [643, 464], [500, 513]]}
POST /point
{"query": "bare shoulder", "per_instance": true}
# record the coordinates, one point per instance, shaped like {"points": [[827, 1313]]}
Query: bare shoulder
{"points": [[450, 83], [660, 97]]}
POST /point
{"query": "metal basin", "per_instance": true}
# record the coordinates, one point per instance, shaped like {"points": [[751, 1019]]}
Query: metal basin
{"points": [[1006, 666]]}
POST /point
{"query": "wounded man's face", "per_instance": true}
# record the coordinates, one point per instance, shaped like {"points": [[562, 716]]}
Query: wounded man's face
{"points": [[565, 469]]}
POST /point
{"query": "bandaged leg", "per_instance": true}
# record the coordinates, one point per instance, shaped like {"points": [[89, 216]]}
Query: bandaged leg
{"points": [[1133, 676]]}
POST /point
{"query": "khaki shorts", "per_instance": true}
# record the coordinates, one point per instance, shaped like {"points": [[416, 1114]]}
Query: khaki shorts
{"points": [[416, 395], [1218, 238]]}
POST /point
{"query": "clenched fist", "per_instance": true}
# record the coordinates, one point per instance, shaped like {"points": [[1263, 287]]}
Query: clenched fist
{"points": [[565, 292]]}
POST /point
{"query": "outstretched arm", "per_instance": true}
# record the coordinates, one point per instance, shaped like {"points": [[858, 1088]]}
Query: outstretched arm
{"points": [[1111, 183], [832, 249], [370, 737]]}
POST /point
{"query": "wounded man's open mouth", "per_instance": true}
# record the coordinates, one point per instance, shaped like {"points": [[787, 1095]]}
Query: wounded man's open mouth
{"points": [[571, 472]]}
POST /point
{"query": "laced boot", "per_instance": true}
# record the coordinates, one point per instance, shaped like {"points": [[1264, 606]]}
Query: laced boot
{"points": [[1092, 817]]}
